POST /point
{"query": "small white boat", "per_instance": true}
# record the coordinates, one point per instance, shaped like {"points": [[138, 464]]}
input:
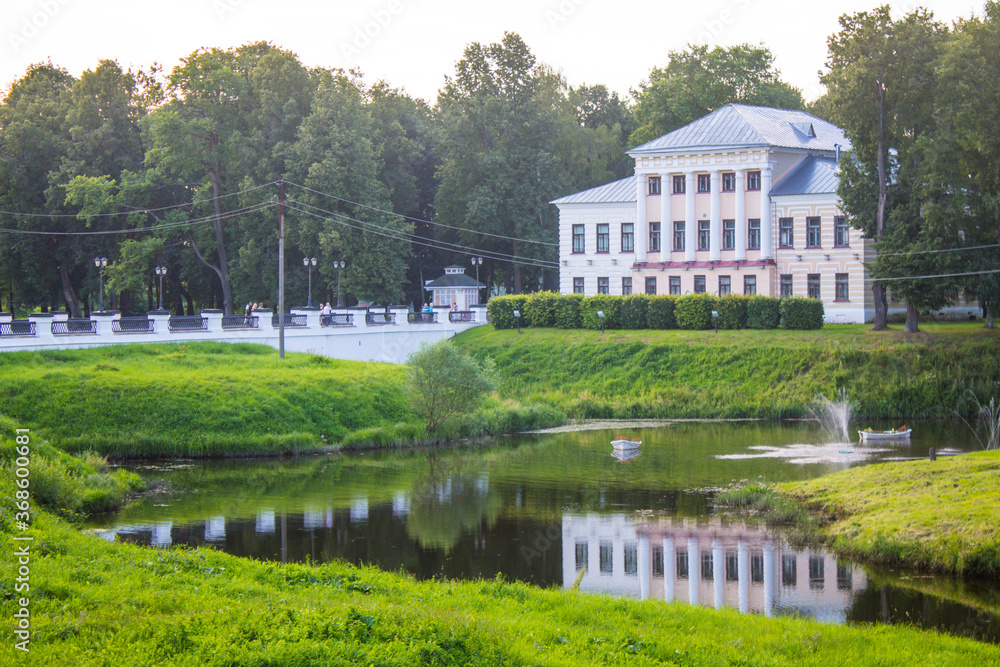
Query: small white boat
{"points": [[625, 455], [623, 445], [869, 436]]}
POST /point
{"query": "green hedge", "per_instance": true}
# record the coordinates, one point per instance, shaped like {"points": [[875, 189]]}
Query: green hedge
{"points": [[660, 314], [798, 312], [540, 309], [763, 312], [501, 311], [605, 303], [568, 311], [732, 311], [634, 310], [694, 311]]}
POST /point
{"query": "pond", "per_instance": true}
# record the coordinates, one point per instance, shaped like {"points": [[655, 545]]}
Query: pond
{"points": [[552, 509]]}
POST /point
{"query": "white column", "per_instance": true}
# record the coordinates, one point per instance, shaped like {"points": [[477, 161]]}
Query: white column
{"points": [[666, 233], [718, 575], [690, 222], [743, 573], [741, 216], [770, 582], [641, 224], [669, 569], [644, 563], [693, 570], [766, 243], [715, 217]]}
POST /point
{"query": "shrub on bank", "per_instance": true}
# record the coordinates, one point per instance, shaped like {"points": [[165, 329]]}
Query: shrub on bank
{"points": [[661, 312], [501, 311], [568, 311], [633, 311], [732, 311], [605, 303], [801, 313], [694, 311], [540, 309], [763, 312]]}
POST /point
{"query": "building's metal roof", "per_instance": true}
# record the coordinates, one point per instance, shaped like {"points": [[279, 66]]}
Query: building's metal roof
{"points": [[812, 176], [453, 280], [618, 192], [741, 125]]}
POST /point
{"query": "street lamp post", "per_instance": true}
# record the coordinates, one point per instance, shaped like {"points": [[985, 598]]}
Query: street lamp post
{"points": [[161, 271], [309, 262], [100, 263], [476, 262], [338, 265]]}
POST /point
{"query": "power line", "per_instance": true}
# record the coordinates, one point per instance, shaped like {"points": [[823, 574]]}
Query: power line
{"points": [[929, 252], [429, 222], [940, 275]]}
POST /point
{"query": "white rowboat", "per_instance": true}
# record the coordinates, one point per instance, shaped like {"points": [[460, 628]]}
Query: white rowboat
{"points": [[868, 436], [622, 445]]}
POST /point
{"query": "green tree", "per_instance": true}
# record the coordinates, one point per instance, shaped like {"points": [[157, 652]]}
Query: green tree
{"points": [[698, 81], [444, 382]]}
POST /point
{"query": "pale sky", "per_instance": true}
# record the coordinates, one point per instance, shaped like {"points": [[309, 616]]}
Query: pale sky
{"points": [[413, 44]]}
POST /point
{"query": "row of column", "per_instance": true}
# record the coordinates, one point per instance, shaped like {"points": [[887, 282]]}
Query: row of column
{"points": [[715, 215]]}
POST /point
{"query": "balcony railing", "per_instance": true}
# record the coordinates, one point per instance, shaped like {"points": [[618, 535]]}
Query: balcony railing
{"points": [[74, 327], [377, 319], [461, 316], [17, 328], [133, 325], [290, 320], [422, 318], [240, 321], [337, 320], [187, 323]]}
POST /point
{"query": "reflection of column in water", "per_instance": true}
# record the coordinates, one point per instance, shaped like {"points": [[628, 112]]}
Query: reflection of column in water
{"points": [[644, 565], [669, 569], [265, 522], [743, 573], [312, 519], [215, 529], [718, 580], [161, 534], [400, 505], [693, 570], [770, 580], [359, 509]]}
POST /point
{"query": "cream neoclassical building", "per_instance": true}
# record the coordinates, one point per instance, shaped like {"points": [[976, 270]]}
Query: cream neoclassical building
{"points": [[743, 200]]}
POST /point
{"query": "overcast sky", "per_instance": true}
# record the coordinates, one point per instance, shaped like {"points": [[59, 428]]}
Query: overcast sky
{"points": [[414, 44]]}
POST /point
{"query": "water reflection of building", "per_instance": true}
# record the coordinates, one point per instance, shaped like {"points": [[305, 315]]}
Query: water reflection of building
{"points": [[708, 563]]}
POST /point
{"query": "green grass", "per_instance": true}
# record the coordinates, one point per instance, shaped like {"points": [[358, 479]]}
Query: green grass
{"points": [[740, 374], [935, 515]]}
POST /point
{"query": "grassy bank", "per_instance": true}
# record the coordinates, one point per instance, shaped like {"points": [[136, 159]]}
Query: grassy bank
{"points": [[737, 374]]}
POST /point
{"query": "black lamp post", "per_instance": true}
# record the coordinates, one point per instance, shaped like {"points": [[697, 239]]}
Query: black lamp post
{"points": [[100, 263], [477, 262], [517, 316], [715, 317], [161, 271], [600, 314], [339, 266], [309, 263]]}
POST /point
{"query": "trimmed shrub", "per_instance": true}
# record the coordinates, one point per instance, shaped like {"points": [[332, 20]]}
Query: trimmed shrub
{"points": [[763, 312], [732, 311], [634, 310], [660, 314], [798, 312], [501, 311], [568, 311], [609, 305], [540, 309], [694, 311]]}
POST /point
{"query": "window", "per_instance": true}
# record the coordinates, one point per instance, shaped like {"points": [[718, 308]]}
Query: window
{"points": [[699, 284], [841, 233], [603, 238], [651, 285], [578, 239], [786, 238], [675, 285], [842, 293], [626, 286], [680, 187], [732, 566], [606, 557], [729, 182], [657, 561], [789, 575], [631, 559], [577, 285], [654, 237], [704, 183], [816, 568], [628, 237], [603, 286], [749, 285], [786, 284], [844, 576], [753, 180], [581, 555], [678, 236], [813, 233], [812, 285], [728, 234], [654, 185], [682, 565], [753, 234], [704, 234], [725, 285], [757, 567], [706, 565]]}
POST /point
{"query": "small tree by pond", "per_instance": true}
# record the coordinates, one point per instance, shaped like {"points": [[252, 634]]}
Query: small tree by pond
{"points": [[443, 382]]}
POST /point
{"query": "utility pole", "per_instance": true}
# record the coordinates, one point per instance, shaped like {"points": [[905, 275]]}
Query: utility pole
{"points": [[281, 271]]}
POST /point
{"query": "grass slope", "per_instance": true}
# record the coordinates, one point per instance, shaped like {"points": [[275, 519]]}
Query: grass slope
{"points": [[736, 374], [940, 515]]}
